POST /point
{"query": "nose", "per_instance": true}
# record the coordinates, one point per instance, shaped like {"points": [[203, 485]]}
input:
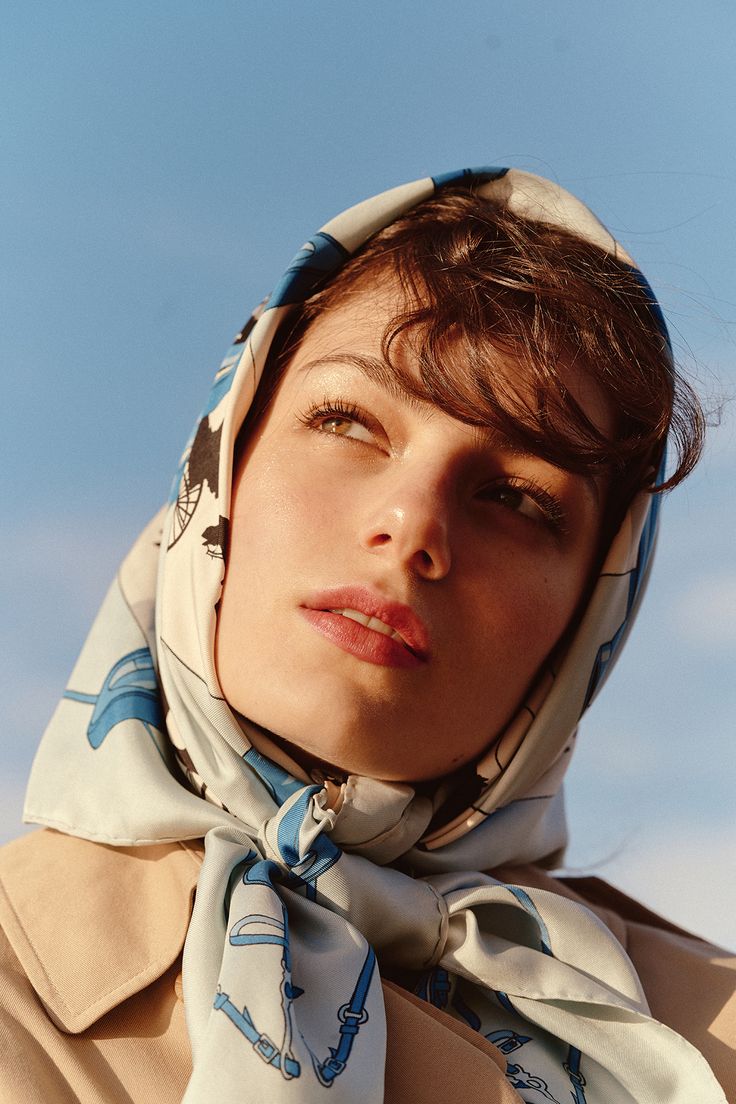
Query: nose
{"points": [[410, 524]]}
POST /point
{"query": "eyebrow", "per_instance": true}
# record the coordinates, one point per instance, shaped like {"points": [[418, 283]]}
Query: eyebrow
{"points": [[376, 371], [381, 373]]}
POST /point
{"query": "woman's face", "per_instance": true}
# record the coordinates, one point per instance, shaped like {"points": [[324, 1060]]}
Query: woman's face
{"points": [[395, 578]]}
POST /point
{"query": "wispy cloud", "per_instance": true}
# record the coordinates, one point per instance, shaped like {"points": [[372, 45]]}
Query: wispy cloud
{"points": [[54, 573], [706, 612], [687, 876]]}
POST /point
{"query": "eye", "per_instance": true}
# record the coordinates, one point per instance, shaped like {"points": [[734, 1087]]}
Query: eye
{"points": [[528, 500], [341, 420], [344, 427]]}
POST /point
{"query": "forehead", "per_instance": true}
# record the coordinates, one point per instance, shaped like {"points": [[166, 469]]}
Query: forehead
{"points": [[359, 317]]}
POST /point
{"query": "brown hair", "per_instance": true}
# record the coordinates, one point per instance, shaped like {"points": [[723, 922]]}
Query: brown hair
{"points": [[483, 286]]}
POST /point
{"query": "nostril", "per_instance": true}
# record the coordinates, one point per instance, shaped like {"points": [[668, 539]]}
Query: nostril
{"points": [[381, 538], [425, 558]]}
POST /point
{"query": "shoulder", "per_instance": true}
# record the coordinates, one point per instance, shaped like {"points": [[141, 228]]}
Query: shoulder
{"points": [[690, 984], [89, 952], [90, 941], [85, 919]]}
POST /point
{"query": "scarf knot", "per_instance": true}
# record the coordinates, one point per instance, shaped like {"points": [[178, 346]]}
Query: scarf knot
{"points": [[299, 843]]}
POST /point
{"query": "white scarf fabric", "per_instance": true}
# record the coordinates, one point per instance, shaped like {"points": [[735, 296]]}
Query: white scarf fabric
{"points": [[299, 906]]}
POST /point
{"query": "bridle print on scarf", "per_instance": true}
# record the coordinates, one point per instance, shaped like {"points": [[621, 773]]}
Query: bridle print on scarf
{"points": [[302, 901]]}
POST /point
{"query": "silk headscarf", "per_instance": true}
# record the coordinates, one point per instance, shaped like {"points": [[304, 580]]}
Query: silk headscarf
{"points": [[299, 906]]}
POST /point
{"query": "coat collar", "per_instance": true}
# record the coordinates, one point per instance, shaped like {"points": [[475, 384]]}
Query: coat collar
{"points": [[90, 924]]}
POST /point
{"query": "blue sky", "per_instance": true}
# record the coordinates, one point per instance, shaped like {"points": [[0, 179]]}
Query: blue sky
{"points": [[162, 163]]}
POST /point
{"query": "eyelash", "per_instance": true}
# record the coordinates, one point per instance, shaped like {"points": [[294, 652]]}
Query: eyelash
{"points": [[336, 408], [553, 515]]}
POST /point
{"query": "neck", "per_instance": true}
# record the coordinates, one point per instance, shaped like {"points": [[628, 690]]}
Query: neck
{"points": [[298, 762]]}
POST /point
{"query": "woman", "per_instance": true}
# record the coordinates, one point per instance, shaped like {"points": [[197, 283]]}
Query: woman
{"points": [[436, 511]]}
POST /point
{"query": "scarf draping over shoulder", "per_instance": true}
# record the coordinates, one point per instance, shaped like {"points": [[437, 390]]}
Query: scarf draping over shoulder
{"points": [[298, 907]]}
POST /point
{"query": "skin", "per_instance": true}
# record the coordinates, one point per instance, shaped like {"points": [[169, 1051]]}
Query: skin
{"points": [[491, 548]]}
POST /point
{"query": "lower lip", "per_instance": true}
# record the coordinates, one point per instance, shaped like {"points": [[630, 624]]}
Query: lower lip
{"points": [[366, 644]]}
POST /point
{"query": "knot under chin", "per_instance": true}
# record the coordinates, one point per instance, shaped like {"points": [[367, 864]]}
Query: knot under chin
{"points": [[402, 917], [297, 838], [379, 820]]}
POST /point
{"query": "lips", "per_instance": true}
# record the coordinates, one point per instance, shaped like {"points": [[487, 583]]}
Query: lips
{"points": [[366, 624], [373, 623]]}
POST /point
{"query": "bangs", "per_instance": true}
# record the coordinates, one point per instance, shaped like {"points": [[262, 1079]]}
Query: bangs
{"points": [[492, 385], [500, 315]]}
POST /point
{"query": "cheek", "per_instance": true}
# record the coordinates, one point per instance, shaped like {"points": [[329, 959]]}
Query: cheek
{"points": [[526, 612], [283, 515], [556, 599]]}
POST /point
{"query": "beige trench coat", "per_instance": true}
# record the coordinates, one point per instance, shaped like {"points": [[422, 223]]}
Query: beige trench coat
{"points": [[90, 983]]}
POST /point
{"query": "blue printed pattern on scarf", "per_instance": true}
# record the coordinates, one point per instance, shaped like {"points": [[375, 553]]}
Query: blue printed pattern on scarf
{"points": [[448, 992], [262, 932], [129, 692]]}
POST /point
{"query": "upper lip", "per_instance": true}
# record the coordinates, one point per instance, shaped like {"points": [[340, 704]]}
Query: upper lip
{"points": [[398, 616]]}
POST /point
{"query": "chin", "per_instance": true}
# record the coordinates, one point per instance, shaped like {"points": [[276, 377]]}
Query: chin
{"points": [[348, 751], [357, 756], [355, 733]]}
